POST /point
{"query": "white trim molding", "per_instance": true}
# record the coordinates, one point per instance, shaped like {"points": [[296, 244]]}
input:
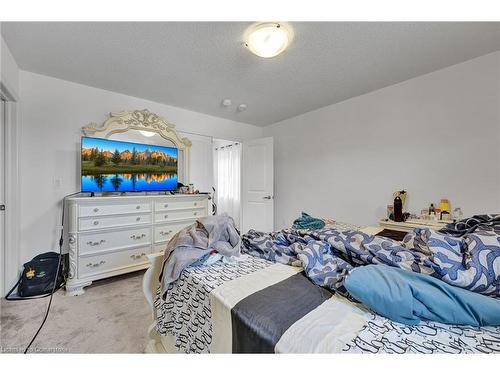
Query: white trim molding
{"points": [[11, 267]]}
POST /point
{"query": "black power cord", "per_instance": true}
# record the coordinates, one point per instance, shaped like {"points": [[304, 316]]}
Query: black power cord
{"points": [[61, 241]]}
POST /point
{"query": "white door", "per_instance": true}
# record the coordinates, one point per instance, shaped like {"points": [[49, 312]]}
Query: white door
{"points": [[2, 195], [257, 181]]}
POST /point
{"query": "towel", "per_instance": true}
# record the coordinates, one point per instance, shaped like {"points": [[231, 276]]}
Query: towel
{"points": [[306, 221]]}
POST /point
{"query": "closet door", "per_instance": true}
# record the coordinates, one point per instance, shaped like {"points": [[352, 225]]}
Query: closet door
{"points": [[258, 185]]}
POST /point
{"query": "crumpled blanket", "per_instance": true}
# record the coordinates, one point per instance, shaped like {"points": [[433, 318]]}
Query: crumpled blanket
{"points": [[327, 255], [473, 224], [195, 242]]}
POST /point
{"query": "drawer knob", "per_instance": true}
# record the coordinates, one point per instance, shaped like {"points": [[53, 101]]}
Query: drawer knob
{"points": [[91, 243], [195, 203], [195, 213], [165, 233], [138, 236], [166, 216], [96, 222], [137, 256], [137, 207], [138, 219], [93, 265], [165, 205], [96, 209]]}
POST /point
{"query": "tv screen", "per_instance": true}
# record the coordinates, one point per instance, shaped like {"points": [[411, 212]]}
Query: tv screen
{"points": [[109, 165]]}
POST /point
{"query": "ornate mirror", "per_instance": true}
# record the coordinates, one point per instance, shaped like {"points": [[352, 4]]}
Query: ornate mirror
{"points": [[144, 127]]}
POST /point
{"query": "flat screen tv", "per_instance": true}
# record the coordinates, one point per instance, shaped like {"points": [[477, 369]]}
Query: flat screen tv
{"points": [[116, 166]]}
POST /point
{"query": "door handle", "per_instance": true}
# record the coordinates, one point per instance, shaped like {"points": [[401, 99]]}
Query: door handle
{"points": [[267, 197]]}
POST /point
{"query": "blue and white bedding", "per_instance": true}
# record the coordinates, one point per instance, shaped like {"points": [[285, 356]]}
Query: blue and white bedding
{"points": [[328, 255], [488, 223], [260, 305]]}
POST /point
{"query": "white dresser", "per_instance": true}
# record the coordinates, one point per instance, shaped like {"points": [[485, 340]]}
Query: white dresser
{"points": [[109, 236]]}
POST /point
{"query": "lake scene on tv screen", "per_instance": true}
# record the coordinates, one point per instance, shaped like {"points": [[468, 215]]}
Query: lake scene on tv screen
{"points": [[109, 165]]}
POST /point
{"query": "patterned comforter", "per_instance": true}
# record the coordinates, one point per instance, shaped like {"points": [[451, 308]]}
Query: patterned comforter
{"points": [[186, 313], [381, 335], [258, 306], [327, 255]]}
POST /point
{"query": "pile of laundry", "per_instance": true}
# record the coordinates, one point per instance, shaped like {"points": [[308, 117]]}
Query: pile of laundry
{"points": [[210, 239]]}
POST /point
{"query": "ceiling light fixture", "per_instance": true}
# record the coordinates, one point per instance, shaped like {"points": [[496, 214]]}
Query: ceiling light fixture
{"points": [[242, 107], [268, 39], [146, 133]]}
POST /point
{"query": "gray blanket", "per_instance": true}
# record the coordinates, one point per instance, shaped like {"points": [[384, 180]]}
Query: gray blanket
{"points": [[197, 241]]}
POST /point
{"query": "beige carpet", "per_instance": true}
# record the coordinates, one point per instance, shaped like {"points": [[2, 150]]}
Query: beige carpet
{"points": [[111, 317]]}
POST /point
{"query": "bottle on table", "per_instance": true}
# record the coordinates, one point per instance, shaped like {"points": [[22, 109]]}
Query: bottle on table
{"points": [[398, 209]]}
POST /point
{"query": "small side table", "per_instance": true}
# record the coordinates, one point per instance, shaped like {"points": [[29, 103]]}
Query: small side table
{"points": [[409, 225]]}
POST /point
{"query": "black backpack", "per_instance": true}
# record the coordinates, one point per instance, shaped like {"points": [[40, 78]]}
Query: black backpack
{"points": [[37, 278]]}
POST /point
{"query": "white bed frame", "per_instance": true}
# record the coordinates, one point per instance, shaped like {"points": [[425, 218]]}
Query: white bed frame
{"points": [[157, 343]]}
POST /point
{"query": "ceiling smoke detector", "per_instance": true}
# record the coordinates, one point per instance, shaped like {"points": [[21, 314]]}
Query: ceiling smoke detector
{"points": [[268, 39]]}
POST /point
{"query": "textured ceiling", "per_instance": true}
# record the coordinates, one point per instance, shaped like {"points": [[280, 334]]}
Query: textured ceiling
{"points": [[196, 65]]}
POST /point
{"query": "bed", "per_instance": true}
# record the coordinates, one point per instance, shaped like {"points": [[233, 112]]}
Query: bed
{"points": [[258, 306]]}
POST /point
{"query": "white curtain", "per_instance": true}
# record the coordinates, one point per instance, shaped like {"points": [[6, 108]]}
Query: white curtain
{"points": [[228, 164]]}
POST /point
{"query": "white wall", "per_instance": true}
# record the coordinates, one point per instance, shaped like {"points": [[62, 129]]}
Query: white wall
{"points": [[53, 112], [436, 136], [9, 71]]}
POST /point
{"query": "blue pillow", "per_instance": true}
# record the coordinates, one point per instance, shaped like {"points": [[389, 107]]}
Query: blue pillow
{"points": [[407, 297]]}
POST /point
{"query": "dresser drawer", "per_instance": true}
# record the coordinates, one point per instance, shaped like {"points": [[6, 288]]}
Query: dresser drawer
{"points": [[114, 209], [165, 232], [159, 247], [91, 265], [179, 215], [95, 242], [180, 203], [89, 223]]}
